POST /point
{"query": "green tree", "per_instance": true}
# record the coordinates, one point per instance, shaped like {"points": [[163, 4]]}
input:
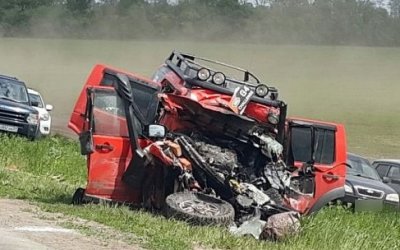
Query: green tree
{"points": [[79, 6], [394, 6], [15, 14]]}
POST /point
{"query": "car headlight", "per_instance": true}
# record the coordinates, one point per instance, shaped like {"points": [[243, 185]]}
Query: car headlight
{"points": [[218, 78], [273, 118], [392, 197], [262, 90], [44, 117], [33, 119], [348, 189], [203, 74]]}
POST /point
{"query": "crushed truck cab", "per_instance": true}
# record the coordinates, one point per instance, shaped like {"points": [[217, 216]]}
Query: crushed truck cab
{"points": [[223, 148]]}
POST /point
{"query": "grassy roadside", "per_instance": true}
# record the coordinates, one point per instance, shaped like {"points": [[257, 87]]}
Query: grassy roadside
{"points": [[49, 170]]}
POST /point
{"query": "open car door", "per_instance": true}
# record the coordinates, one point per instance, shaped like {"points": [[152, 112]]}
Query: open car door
{"points": [[103, 119]]}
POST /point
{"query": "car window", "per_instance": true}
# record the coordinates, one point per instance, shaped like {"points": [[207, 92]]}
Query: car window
{"points": [[362, 168], [36, 98], [13, 90], [109, 114], [382, 169], [394, 173], [146, 99], [144, 94], [324, 140]]}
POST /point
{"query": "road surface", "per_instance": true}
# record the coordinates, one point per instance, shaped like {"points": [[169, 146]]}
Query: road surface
{"points": [[25, 226]]}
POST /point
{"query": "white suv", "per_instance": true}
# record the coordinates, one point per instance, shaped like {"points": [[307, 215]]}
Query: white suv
{"points": [[44, 115]]}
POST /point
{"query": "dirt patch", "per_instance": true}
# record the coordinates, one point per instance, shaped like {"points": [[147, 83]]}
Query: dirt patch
{"points": [[23, 224]]}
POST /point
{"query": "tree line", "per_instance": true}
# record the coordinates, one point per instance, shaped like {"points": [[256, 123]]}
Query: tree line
{"points": [[320, 22]]}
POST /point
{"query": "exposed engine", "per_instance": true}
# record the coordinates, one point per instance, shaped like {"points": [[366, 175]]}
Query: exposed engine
{"points": [[250, 175]]}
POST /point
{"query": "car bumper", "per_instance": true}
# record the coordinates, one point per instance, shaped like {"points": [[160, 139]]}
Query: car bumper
{"points": [[44, 127], [353, 201], [19, 128]]}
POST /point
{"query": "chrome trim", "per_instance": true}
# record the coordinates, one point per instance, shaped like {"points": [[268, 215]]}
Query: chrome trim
{"points": [[367, 189]]}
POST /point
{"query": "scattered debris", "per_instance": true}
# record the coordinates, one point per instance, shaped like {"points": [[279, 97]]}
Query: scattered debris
{"points": [[280, 226]]}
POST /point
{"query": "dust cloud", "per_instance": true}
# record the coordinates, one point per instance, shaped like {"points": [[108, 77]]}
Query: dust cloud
{"points": [[357, 86]]}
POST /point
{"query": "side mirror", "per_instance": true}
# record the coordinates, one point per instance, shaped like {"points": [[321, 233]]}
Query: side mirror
{"points": [[386, 179], [49, 107], [35, 104], [155, 131]]}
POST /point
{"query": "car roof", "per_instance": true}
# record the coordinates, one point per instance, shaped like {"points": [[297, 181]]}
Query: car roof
{"points": [[8, 77], [352, 155], [355, 157], [394, 161], [306, 120], [13, 78], [31, 91]]}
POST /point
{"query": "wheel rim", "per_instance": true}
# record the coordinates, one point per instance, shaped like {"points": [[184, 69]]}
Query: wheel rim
{"points": [[199, 207]]}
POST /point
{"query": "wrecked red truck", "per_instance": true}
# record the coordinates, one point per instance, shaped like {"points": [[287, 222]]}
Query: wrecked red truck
{"points": [[203, 146]]}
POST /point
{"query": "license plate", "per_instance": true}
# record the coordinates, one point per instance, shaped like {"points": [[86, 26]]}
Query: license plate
{"points": [[368, 205], [8, 128], [241, 97]]}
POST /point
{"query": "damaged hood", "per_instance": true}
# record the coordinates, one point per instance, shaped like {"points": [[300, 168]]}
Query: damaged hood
{"points": [[210, 117]]}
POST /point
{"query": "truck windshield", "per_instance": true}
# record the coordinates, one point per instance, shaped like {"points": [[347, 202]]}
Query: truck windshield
{"points": [[13, 90]]}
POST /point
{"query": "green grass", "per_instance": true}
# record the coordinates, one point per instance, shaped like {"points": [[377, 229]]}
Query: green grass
{"points": [[357, 86], [48, 171]]}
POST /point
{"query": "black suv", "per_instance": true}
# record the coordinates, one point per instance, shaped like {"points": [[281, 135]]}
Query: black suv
{"points": [[363, 184], [16, 113]]}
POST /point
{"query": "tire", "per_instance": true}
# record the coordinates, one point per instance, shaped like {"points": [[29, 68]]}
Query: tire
{"points": [[77, 198], [210, 210]]}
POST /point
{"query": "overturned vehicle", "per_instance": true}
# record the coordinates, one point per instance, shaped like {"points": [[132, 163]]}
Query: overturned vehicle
{"points": [[203, 146]]}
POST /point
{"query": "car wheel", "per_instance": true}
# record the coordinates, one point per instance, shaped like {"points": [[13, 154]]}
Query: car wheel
{"points": [[77, 198], [199, 209]]}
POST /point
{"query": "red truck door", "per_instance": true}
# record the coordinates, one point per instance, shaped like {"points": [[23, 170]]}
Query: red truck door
{"points": [[329, 158], [111, 148], [100, 113]]}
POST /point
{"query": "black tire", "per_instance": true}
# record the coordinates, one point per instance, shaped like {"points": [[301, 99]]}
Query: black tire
{"points": [[77, 198], [199, 209]]}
